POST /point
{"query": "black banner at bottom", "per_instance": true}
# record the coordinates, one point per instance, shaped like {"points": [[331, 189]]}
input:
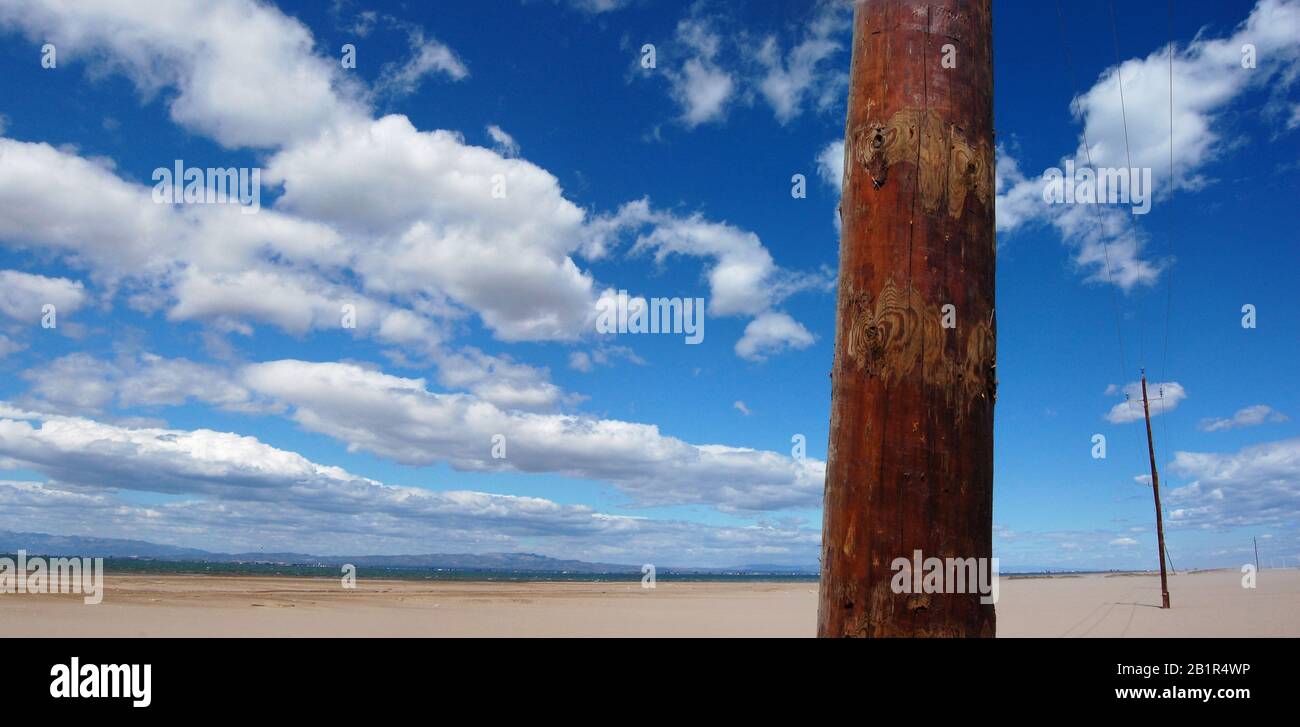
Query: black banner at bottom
{"points": [[143, 678]]}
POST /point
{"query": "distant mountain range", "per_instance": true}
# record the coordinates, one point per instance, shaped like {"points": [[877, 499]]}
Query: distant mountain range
{"points": [[64, 545]]}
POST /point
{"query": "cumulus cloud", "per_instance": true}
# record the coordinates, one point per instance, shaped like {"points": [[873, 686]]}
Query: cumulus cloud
{"points": [[743, 278], [407, 196], [770, 333], [23, 296], [425, 203], [83, 384], [398, 222], [401, 419], [1250, 416], [245, 73], [469, 522], [1207, 78], [500, 381], [701, 87], [1163, 398], [234, 488], [231, 488], [195, 262], [809, 71], [402, 224], [79, 383], [1258, 485]]}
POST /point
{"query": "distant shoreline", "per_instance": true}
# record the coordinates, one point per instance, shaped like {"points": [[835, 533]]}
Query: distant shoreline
{"points": [[134, 565], [259, 569], [1205, 604]]}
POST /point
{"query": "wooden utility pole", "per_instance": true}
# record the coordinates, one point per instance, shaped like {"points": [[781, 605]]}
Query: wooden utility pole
{"points": [[1255, 540], [1155, 488], [910, 466]]}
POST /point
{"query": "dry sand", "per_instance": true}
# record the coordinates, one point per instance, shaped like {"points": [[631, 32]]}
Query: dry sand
{"points": [[1205, 604]]}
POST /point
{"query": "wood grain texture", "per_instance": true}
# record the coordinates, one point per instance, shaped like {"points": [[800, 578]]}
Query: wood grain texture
{"points": [[910, 465]]}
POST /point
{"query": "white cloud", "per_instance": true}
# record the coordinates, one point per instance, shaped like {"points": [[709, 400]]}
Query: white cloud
{"points": [[807, 71], [245, 73], [237, 491], [425, 202], [742, 408], [830, 167], [1163, 399], [500, 380], [1250, 416], [1124, 542], [405, 195], [82, 384], [504, 143], [726, 67], [506, 260], [1018, 200], [375, 213], [1258, 485], [830, 164], [402, 420], [205, 262], [743, 279], [24, 295], [9, 346], [701, 87], [703, 91], [1107, 244], [428, 57], [79, 383], [602, 355], [770, 333], [1207, 79], [580, 361], [451, 522]]}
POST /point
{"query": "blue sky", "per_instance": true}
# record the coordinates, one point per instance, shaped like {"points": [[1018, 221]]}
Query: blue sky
{"points": [[199, 389]]}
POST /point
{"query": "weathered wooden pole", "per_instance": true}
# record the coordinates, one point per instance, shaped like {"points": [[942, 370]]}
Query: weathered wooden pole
{"points": [[910, 466], [1155, 489]]}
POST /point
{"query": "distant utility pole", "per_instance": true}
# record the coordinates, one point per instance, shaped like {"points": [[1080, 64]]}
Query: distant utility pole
{"points": [[1155, 488], [910, 466], [1255, 540]]}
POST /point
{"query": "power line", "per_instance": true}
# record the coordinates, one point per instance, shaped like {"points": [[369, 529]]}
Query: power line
{"points": [[1169, 235], [1128, 158], [1155, 481], [1087, 148], [1173, 185]]}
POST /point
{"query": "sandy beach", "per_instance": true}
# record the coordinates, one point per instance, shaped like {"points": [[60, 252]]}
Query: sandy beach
{"points": [[1209, 604]]}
